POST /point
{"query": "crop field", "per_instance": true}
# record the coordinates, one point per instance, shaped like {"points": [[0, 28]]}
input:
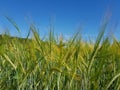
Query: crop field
{"points": [[56, 64]]}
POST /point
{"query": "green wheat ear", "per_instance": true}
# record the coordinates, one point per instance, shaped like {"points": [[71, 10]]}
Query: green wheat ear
{"points": [[97, 43], [13, 23]]}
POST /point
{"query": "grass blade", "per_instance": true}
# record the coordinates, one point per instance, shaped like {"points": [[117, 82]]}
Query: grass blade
{"points": [[114, 78], [8, 59], [13, 23]]}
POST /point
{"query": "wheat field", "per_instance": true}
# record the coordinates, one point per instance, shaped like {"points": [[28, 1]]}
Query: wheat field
{"points": [[52, 64]]}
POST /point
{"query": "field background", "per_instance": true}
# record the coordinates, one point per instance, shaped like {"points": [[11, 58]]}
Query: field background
{"points": [[55, 64]]}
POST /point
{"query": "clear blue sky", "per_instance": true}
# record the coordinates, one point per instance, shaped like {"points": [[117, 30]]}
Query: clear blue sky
{"points": [[67, 15]]}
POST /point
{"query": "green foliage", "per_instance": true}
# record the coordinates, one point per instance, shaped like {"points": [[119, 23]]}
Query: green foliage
{"points": [[51, 64]]}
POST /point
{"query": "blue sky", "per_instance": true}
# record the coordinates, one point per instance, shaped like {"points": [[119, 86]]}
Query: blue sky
{"points": [[66, 15]]}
